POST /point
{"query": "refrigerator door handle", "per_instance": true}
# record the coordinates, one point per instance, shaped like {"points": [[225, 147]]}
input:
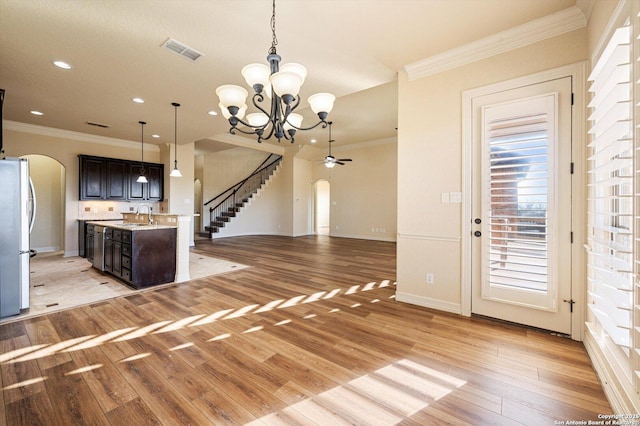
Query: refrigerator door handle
{"points": [[32, 200]]}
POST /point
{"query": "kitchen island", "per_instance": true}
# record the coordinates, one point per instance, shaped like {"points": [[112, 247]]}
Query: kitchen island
{"points": [[139, 253]]}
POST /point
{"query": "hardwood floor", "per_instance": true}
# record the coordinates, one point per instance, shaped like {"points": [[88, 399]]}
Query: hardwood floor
{"points": [[310, 333]]}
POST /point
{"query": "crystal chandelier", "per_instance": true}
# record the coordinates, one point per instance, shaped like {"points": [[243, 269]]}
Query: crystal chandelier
{"points": [[281, 83]]}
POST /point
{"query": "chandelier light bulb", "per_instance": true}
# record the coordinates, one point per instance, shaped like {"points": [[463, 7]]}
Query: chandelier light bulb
{"points": [[296, 69], [286, 83], [256, 74], [321, 102], [294, 121], [257, 119], [232, 95]]}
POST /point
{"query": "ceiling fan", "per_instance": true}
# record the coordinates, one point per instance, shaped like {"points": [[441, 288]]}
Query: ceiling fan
{"points": [[330, 161]]}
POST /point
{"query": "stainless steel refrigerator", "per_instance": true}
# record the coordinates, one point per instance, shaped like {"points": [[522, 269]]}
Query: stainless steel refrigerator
{"points": [[17, 213]]}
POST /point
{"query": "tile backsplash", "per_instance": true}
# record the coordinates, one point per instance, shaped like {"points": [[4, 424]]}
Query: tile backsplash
{"points": [[95, 210]]}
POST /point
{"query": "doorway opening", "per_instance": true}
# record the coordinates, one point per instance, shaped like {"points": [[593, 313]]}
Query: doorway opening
{"points": [[323, 207], [49, 182], [197, 197]]}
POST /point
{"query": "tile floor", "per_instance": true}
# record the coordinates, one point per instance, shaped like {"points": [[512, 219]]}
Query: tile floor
{"points": [[59, 282]]}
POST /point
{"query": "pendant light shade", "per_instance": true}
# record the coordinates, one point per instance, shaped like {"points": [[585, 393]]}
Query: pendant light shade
{"points": [[175, 172], [142, 178]]}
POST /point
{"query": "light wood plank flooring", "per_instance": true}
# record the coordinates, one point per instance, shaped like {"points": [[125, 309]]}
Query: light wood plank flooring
{"points": [[309, 334]]}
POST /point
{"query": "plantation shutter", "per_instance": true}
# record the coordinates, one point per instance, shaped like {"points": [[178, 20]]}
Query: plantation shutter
{"points": [[611, 198], [518, 201]]}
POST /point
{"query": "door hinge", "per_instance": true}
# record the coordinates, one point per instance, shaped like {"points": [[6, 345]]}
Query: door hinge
{"points": [[570, 302], [572, 164], [571, 237], [572, 99]]}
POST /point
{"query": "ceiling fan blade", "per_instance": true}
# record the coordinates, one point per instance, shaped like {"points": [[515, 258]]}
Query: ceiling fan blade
{"points": [[345, 159], [339, 162]]}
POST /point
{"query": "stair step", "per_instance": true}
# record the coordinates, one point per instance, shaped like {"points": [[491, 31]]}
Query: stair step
{"points": [[225, 217]]}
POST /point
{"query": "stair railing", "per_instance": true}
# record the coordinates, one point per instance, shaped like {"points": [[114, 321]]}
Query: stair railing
{"points": [[231, 199]]}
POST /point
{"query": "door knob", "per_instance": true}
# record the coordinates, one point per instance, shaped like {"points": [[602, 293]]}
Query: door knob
{"points": [[477, 233], [478, 220]]}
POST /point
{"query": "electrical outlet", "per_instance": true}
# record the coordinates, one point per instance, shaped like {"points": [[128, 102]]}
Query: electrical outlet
{"points": [[429, 278]]}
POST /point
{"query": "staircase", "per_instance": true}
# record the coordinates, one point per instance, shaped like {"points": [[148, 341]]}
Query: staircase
{"points": [[228, 203]]}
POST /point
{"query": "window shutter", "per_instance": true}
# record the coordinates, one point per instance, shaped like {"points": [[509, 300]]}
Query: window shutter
{"points": [[611, 197]]}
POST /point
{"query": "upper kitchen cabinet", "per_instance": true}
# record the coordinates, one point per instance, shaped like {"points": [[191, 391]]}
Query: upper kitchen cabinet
{"points": [[92, 178], [114, 179], [152, 191]]}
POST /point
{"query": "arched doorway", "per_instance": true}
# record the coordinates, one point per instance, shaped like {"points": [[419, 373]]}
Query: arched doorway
{"points": [[197, 197], [322, 221], [48, 177]]}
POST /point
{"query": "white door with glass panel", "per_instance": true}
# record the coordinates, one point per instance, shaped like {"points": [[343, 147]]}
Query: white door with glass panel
{"points": [[521, 202]]}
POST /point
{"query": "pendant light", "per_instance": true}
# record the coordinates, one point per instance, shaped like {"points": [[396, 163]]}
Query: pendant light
{"points": [[142, 178], [175, 172]]}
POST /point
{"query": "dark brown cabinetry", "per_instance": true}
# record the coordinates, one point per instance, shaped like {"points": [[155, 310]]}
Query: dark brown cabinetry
{"points": [[113, 179], [152, 191], [141, 258], [116, 180], [92, 174]]}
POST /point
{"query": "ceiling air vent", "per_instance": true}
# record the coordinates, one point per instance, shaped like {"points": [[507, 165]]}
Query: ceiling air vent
{"points": [[182, 49], [93, 123]]}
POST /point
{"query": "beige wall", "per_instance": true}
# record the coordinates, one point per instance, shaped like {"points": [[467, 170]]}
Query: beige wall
{"points": [[430, 159], [64, 147], [179, 196], [302, 197], [364, 191]]}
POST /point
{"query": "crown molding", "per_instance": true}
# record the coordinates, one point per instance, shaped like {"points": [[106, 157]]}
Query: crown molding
{"points": [[564, 21], [70, 135]]}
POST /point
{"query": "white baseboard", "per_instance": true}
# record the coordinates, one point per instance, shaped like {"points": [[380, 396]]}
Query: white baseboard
{"points": [[440, 305], [391, 239]]}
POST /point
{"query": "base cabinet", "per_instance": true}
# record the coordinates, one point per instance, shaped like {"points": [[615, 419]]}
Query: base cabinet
{"points": [[141, 258]]}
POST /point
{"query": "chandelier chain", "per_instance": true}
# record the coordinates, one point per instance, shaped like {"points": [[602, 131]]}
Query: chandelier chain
{"points": [[274, 40]]}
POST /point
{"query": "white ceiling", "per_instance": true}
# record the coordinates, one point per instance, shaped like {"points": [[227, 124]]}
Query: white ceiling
{"points": [[352, 48]]}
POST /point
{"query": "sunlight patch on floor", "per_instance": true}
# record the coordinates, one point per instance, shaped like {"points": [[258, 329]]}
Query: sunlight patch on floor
{"points": [[384, 397]]}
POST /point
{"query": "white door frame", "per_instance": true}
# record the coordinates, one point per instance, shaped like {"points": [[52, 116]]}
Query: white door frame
{"points": [[578, 202]]}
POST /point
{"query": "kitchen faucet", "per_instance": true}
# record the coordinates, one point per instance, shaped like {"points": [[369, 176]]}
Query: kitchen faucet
{"points": [[148, 212]]}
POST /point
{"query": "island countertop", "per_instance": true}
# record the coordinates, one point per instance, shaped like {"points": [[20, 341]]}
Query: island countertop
{"points": [[130, 226]]}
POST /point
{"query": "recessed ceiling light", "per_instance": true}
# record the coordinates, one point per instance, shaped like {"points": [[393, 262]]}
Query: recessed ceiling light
{"points": [[34, 112], [138, 100], [62, 64], [313, 141], [155, 136], [213, 112]]}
